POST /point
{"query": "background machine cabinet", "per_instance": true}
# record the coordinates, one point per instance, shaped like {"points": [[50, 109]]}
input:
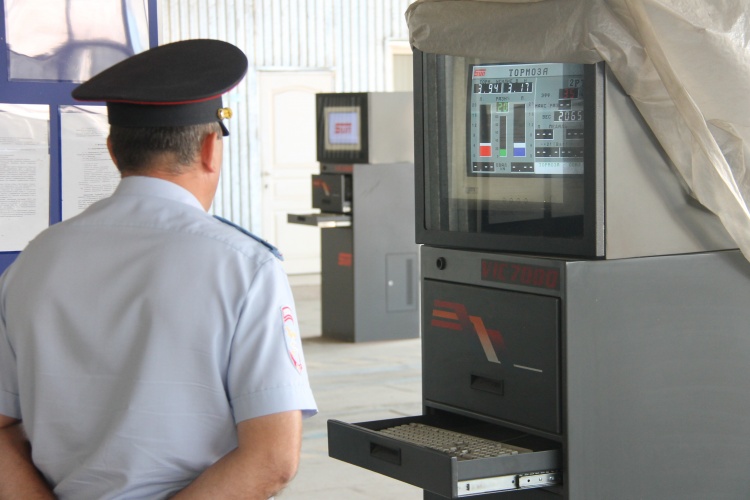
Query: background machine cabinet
{"points": [[577, 305], [370, 262]]}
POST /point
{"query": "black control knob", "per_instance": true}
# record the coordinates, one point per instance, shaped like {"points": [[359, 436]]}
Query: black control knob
{"points": [[441, 263]]}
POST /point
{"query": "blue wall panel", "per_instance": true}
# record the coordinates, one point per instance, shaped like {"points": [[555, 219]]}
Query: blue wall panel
{"points": [[54, 94]]}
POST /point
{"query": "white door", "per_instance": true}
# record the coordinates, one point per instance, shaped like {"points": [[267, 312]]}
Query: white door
{"points": [[288, 155]]}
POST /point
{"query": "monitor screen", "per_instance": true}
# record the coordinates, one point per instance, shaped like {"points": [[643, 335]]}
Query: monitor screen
{"points": [[525, 119], [342, 128]]}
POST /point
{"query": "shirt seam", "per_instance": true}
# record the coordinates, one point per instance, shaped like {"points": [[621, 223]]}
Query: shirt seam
{"points": [[236, 247], [268, 389]]}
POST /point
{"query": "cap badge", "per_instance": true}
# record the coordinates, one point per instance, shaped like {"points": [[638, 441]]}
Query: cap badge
{"points": [[224, 113]]}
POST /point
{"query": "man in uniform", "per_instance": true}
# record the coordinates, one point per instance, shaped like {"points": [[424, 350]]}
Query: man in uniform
{"points": [[147, 349]]}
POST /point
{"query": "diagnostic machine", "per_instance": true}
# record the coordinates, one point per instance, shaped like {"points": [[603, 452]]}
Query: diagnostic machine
{"points": [[364, 197], [583, 320]]}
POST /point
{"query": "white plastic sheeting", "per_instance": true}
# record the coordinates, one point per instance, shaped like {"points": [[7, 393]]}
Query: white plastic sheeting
{"points": [[685, 63]]}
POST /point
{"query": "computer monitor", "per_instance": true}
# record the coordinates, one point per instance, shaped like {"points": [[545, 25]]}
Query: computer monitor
{"points": [[508, 155], [342, 128]]}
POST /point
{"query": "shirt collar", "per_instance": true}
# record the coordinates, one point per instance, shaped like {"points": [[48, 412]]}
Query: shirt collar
{"points": [[136, 185]]}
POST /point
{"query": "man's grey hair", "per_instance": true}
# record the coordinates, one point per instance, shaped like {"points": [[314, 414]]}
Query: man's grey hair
{"points": [[137, 150]]}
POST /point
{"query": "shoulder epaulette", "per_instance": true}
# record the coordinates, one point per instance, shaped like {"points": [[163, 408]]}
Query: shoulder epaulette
{"points": [[244, 231]]}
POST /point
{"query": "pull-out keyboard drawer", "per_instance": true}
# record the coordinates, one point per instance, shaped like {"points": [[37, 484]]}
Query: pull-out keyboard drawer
{"points": [[535, 463], [324, 220]]}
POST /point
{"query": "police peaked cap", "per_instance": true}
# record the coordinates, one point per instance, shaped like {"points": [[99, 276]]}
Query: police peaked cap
{"points": [[171, 85]]}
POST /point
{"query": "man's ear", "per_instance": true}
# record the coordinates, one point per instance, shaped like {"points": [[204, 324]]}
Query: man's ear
{"points": [[210, 142], [109, 148]]}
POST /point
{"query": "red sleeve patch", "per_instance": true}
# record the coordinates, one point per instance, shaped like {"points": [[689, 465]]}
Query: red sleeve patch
{"points": [[292, 338]]}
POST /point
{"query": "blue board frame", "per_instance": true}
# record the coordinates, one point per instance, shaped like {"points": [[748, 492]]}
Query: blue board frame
{"points": [[54, 94]]}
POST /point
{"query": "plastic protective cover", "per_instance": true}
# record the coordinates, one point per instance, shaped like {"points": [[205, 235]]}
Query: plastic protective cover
{"points": [[685, 64]]}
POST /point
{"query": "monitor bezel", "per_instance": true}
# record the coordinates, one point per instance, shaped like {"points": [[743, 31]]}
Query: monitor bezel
{"points": [[337, 153]]}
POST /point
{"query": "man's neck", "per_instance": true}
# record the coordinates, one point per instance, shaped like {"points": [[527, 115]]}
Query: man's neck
{"points": [[190, 180]]}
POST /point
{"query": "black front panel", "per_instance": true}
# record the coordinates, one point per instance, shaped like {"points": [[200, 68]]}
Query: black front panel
{"points": [[492, 351], [332, 192], [337, 283]]}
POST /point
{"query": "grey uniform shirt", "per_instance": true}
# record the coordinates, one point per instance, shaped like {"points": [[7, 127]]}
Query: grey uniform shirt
{"points": [[134, 337]]}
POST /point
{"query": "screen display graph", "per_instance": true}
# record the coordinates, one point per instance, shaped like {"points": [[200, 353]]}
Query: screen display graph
{"points": [[526, 119]]}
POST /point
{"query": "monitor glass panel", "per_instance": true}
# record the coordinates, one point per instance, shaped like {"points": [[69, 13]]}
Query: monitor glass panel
{"points": [[342, 128]]}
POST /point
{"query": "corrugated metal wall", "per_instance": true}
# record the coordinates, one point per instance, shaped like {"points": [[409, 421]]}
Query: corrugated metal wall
{"points": [[350, 37]]}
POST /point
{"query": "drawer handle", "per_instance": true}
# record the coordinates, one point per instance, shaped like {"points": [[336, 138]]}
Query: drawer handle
{"points": [[488, 385], [386, 454]]}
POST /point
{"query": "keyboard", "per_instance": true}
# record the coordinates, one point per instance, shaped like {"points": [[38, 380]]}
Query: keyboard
{"points": [[455, 444]]}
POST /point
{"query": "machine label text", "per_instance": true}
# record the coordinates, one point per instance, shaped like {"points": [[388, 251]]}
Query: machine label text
{"points": [[521, 274]]}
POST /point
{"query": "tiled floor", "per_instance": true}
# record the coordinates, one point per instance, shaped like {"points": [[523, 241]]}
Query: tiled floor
{"points": [[352, 383]]}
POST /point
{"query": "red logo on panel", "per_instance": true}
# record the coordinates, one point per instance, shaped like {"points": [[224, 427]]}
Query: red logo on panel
{"points": [[317, 183], [480, 72], [343, 128], [345, 259], [453, 316]]}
